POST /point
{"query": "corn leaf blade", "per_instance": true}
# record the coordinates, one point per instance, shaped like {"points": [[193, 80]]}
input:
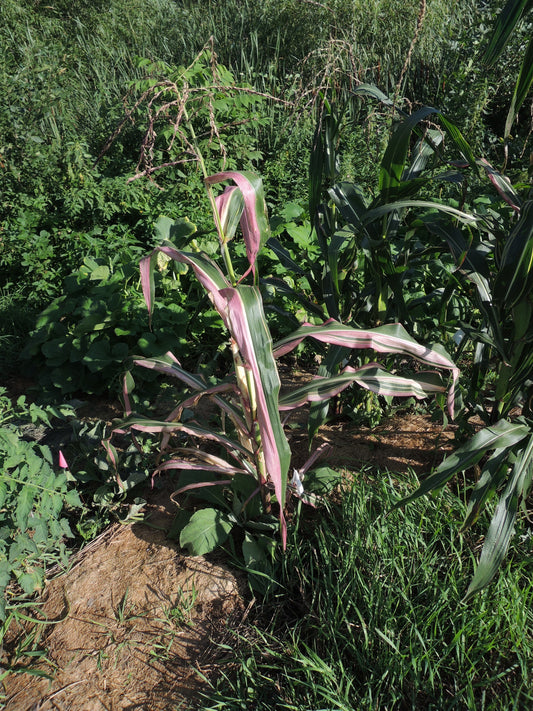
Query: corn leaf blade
{"points": [[370, 376], [392, 338], [245, 308], [503, 434], [503, 27], [501, 527], [254, 221]]}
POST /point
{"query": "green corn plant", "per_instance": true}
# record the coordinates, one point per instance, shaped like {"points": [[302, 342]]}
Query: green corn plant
{"points": [[497, 261], [325, 275], [369, 260], [324, 172], [253, 469], [492, 267], [505, 23], [499, 265], [385, 253]]}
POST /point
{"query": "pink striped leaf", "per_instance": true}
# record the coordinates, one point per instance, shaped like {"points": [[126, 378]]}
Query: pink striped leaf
{"points": [[197, 383], [502, 185], [202, 485], [392, 338], [175, 463], [230, 206], [207, 272], [372, 377], [254, 221], [156, 426], [204, 460], [252, 336], [170, 365]]}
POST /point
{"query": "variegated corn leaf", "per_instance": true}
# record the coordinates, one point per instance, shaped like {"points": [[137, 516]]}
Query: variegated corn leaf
{"points": [[372, 377], [254, 220], [249, 329], [392, 338]]}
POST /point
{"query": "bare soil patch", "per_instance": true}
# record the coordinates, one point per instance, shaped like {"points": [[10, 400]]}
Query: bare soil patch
{"points": [[399, 444], [129, 626]]}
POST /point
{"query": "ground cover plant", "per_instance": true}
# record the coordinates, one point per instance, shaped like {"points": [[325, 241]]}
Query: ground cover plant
{"points": [[37, 498], [84, 337]]}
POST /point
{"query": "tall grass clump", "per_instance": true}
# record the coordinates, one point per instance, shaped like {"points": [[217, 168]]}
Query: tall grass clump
{"points": [[371, 616]]}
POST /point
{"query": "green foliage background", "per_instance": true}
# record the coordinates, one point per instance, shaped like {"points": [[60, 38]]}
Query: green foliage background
{"points": [[65, 68], [73, 227]]}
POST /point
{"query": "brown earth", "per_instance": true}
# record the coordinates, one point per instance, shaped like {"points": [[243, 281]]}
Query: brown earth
{"points": [[129, 626], [134, 623]]}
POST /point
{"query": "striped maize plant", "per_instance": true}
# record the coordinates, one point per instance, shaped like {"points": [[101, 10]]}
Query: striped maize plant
{"points": [[255, 449]]}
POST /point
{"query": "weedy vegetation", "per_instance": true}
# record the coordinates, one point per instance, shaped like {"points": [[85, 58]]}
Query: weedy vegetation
{"points": [[386, 250]]}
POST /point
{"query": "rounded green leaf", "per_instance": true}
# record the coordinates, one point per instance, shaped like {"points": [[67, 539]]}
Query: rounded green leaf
{"points": [[207, 529]]}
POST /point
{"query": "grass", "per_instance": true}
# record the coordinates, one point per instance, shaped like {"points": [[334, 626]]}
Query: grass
{"points": [[371, 616]]}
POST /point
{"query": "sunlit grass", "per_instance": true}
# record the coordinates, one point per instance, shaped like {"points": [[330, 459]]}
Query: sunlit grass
{"points": [[371, 616]]}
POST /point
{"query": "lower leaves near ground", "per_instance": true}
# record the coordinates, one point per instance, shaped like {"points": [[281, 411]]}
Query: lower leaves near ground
{"points": [[371, 616], [36, 500]]}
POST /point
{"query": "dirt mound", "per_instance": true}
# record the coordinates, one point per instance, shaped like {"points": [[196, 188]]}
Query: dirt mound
{"points": [[129, 626]]}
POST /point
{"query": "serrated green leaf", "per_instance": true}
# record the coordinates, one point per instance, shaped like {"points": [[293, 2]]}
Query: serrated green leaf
{"points": [[24, 506], [31, 581], [73, 500], [5, 573], [40, 530], [65, 528]]}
